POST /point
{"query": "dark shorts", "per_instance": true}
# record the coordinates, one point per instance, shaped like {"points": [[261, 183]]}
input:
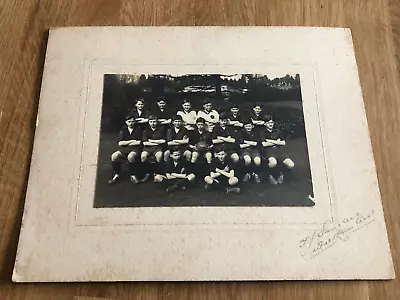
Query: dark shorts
{"points": [[251, 152], [125, 150], [151, 150], [223, 181], [276, 152]]}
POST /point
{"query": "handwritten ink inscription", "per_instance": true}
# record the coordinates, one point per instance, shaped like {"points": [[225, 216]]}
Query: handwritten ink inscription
{"points": [[330, 234]]}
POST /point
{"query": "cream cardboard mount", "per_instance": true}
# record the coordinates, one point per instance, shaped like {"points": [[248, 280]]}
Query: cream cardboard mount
{"points": [[64, 237]]}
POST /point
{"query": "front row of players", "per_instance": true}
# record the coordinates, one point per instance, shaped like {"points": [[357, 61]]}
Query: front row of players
{"points": [[179, 157]]}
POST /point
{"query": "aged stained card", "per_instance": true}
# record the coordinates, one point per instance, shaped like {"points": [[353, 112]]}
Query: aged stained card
{"points": [[208, 153]]}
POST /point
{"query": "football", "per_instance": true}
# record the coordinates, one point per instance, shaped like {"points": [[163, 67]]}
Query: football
{"points": [[201, 146]]}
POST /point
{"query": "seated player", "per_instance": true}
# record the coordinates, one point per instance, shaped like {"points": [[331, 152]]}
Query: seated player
{"points": [[273, 144], [129, 144], [210, 115], [153, 145], [251, 145], [222, 174], [258, 118], [235, 118], [162, 113], [222, 135], [178, 136], [140, 114], [175, 175], [188, 115], [200, 142]]}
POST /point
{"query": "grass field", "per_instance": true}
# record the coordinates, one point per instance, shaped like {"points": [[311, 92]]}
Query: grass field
{"points": [[293, 192]]}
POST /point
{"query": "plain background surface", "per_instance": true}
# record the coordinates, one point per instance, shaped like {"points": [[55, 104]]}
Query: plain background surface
{"points": [[23, 33]]}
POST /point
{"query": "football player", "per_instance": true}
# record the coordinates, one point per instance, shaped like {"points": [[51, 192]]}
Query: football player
{"points": [[162, 113], [129, 145], [235, 118], [140, 114], [178, 136], [222, 174], [210, 115], [273, 144], [200, 142], [188, 115]]}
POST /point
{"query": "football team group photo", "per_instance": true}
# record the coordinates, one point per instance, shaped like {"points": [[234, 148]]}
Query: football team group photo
{"points": [[202, 140]]}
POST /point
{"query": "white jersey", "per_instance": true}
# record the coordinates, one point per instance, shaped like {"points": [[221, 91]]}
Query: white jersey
{"points": [[211, 118], [189, 118]]}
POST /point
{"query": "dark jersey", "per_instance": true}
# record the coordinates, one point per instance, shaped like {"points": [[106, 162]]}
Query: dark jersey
{"points": [[252, 136], [216, 163], [180, 135], [219, 131], [272, 135], [157, 134], [233, 118], [196, 137], [136, 114], [161, 114], [260, 117], [179, 168], [125, 135]]}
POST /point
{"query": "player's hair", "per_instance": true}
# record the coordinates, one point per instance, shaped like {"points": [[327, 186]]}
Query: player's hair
{"points": [[177, 117], [174, 149], [139, 99], [186, 101], [129, 117], [152, 117], [206, 101], [234, 105], [220, 149], [268, 118], [257, 104], [161, 98], [200, 120], [247, 121], [223, 116]]}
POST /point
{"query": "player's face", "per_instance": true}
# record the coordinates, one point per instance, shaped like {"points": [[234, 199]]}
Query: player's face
{"points": [[186, 106], [161, 104], [177, 123], [153, 123], [175, 155], [257, 110], [200, 126], [223, 122], [130, 123], [270, 124], [220, 155], [207, 107], [139, 105], [248, 127], [234, 110]]}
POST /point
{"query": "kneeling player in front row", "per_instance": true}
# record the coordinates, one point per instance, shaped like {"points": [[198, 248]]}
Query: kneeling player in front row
{"points": [[175, 175], [200, 142], [178, 136], [153, 146], [273, 143], [251, 145], [222, 174], [129, 143]]}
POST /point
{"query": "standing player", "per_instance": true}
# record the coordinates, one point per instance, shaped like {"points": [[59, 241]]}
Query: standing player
{"points": [[251, 145], [210, 115], [188, 115], [273, 144], [200, 142], [258, 118], [162, 113], [175, 176], [178, 136], [235, 118], [153, 145], [222, 174], [129, 144], [222, 135], [140, 114]]}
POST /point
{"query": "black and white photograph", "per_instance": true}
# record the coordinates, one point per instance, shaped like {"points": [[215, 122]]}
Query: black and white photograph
{"points": [[202, 140]]}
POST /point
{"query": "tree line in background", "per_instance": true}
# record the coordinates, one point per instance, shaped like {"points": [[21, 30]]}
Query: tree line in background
{"points": [[121, 90]]}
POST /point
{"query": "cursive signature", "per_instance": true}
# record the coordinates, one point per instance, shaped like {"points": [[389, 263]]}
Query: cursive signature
{"points": [[329, 234]]}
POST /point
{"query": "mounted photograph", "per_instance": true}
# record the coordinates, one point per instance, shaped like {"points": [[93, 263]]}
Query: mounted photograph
{"points": [[202, 140]]}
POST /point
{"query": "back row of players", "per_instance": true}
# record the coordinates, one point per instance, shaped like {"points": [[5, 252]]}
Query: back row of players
{"points": [[175, 148]]}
